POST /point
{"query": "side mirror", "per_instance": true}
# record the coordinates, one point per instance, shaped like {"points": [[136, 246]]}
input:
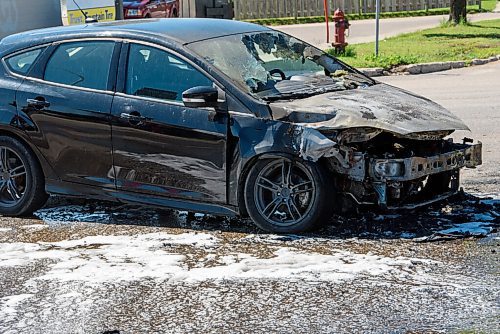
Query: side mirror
{"points": [[201, 96]]}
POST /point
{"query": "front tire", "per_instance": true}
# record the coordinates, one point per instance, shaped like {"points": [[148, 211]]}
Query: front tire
{"points": [[288, 195], [22, 187]]}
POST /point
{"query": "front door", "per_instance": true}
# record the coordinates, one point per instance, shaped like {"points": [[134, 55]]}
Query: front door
{"points": [[70, 105], [161, 147]]}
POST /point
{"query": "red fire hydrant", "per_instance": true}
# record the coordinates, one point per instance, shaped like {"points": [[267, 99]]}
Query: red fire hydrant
{"points": [[341, 25]]}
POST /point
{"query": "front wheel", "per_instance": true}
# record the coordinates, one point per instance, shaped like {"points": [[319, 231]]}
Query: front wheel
{"points": [[288, 195]]}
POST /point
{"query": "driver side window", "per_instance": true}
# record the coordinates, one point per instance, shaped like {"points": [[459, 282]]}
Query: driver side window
{"points": [[158, 74]]}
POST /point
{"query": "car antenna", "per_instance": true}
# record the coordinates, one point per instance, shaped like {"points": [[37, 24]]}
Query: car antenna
{"points": [[87, 19]]}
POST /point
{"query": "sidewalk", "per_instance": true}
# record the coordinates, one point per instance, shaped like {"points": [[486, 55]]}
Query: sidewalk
{"points": [[497, 9], [363, 31]]}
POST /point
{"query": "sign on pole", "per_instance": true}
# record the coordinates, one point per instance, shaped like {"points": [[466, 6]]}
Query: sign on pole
{"points": [[102, 10]]}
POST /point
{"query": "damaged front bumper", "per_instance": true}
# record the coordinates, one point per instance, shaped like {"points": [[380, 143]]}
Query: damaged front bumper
{"points": [[413, 182], [412, 168]]}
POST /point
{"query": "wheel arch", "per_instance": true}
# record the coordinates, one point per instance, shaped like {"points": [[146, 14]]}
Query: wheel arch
{"points": [[249, 163], [45, 168], [247, 166]]}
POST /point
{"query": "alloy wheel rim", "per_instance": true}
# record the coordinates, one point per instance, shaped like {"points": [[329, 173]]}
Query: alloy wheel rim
{"points": [[13, 177], [284, 192]]}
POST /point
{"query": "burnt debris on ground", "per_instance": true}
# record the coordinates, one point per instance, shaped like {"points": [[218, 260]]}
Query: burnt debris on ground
{"points": [[462, 216]]}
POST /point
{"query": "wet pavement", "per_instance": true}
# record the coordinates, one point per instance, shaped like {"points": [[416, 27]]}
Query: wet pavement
{"points": [[82, 267]]}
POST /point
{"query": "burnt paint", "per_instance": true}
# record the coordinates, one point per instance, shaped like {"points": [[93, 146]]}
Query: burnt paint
{"points": [[253, 137]]}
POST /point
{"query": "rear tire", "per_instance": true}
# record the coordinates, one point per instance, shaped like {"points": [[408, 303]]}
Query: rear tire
{"points": [[22, 184], [288, 195]]}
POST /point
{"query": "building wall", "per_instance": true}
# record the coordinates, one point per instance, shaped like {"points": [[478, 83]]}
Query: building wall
{"points": [[22, 15]]}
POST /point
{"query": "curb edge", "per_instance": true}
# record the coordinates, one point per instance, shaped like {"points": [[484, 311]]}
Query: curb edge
{"points": [[424, 68]]}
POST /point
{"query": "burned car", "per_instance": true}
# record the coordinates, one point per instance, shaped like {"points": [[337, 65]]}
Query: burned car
{"points": [[214, 116]]}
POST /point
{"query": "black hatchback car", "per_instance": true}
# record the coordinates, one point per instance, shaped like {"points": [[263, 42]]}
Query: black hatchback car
{"points": [[213, 116]]}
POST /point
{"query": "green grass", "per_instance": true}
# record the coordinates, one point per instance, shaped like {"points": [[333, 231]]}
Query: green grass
{"points": [[318, 19], [488, 5], [444, 43]]}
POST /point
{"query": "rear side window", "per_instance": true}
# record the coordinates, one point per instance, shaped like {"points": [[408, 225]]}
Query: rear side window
{"points": [[81, 64], [22, 63], [155, 73]]}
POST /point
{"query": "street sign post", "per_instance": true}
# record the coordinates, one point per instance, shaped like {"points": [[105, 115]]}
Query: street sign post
{"points": [[327, 12], [377, 26]]}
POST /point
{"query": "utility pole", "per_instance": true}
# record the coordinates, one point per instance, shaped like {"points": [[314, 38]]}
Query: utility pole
{"points": [[119, 9], [377, 26]]}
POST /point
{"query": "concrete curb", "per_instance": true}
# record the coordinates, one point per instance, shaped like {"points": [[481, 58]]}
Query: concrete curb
{"points": [[425, 67]]}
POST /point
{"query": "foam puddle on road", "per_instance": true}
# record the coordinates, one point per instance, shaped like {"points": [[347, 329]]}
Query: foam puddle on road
{"points": [[113, 258], [195, 260], [81, 277], [197, 256], [156, 255]]}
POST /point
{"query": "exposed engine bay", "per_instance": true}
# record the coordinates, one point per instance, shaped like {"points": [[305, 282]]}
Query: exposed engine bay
{"points": [[385, 146], [394, 172]]}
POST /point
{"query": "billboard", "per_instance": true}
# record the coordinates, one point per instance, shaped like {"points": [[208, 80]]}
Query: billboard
{"points": [[102, 10]]}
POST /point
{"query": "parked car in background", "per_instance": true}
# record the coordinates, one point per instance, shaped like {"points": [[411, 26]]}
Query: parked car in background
{"points": [[216, 116], [139, 9]]}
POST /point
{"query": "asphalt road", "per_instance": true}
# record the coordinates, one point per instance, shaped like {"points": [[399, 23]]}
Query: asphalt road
{"points": [[87, 267], [363, 31]]}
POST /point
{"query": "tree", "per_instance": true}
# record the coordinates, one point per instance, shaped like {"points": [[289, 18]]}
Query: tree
{"points": [[458, 11]]}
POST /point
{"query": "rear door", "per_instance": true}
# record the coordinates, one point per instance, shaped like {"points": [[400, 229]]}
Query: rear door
{"points": [[69, 104], [161, 147]]}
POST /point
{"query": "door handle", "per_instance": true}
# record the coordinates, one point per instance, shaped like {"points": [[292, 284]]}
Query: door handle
{"points": [[134, 117], [38, 103]]}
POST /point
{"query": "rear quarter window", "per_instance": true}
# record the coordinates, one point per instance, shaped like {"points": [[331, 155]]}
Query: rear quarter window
{"points": [[23, 62]]}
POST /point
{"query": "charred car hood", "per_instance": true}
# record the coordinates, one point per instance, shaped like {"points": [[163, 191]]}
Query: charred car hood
{"points": [[378, 106]]}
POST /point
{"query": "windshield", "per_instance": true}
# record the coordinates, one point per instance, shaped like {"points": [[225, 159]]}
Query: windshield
{"points": [[273, 65]]}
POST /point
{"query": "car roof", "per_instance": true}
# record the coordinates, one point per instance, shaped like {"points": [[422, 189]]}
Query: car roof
{"points": [[176, 30]]}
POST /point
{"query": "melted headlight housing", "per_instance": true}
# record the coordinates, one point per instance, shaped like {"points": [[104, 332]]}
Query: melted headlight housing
{"points": [[389, 168]]}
